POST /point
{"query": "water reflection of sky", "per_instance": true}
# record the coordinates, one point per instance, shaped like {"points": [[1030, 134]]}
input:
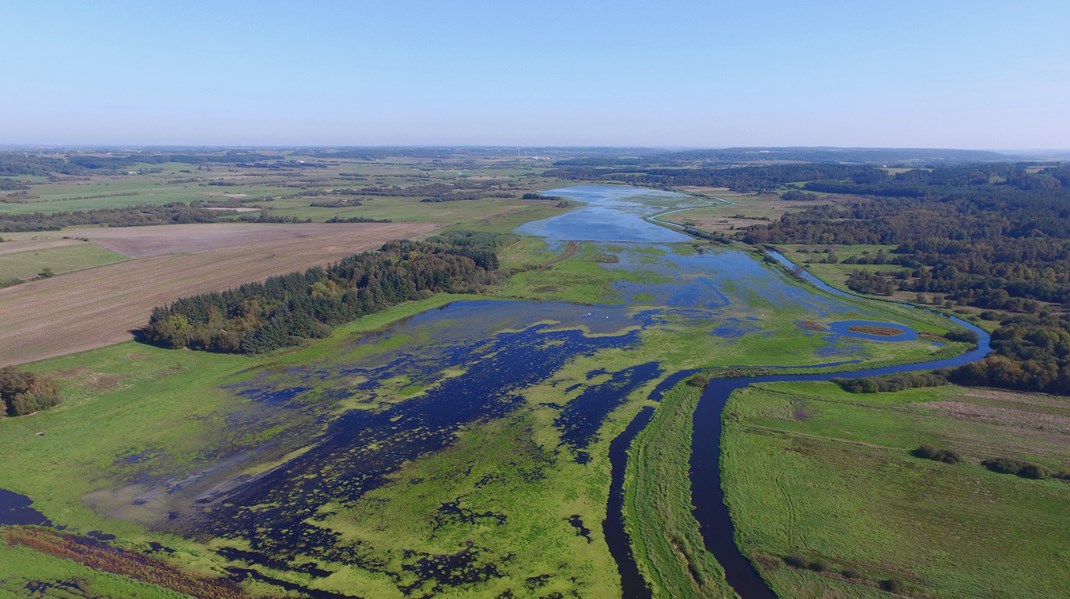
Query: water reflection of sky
{"points": [[612, 213]]}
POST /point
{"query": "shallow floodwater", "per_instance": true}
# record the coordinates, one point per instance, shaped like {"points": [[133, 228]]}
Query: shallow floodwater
{"points": [[390, 397], [612, 213], [15, 510]]}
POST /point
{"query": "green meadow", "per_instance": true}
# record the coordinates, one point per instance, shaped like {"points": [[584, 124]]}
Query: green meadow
{"points": [[812, 471]]}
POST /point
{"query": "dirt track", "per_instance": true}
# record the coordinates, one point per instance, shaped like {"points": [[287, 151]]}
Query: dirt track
{"points": [[100, 306]]}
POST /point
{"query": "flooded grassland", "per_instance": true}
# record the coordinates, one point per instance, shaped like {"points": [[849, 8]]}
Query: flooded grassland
{"points": [[453, 446]]}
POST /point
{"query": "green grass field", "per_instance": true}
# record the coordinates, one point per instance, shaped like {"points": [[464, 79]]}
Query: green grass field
{"points": [[813, 470], [27, 265]]}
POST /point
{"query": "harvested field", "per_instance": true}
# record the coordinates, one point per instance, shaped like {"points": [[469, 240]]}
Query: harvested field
{"points": [[142, 242], [35, 245], [100, 306]]}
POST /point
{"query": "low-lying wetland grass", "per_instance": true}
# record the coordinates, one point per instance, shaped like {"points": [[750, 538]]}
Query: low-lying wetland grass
{"points": [[447, 446]]}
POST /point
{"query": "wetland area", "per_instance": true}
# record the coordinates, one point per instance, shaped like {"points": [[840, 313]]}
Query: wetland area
{"points": [[462, 445]]}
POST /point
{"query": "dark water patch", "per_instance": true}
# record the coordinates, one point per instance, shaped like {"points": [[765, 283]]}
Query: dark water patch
{"points": [[581, 418], [252, 557], [276, 512], [670, 381], [273, 395], [844, 328], [715, 522], [242, 574], [100, 536], [66, 587], [133, 456], [452, 513], [581, 530], [155, 547], [535, 582], [734, 328], [596, 372], [15, 510], [633, 585], [450, 570]]}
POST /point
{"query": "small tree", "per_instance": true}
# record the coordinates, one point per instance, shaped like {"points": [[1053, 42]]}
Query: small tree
{"points": [[26, 392], [46, 273]]}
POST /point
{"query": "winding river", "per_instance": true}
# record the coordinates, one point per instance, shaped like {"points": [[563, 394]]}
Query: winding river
{"points": [[505, 346], [612, 205], [707, 494]]}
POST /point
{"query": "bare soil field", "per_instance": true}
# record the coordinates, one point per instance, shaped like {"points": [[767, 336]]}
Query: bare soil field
{"points": [[141, 242], [34, 245], [100, 306]]}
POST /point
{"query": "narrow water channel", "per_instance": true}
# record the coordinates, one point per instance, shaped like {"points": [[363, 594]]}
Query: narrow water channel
{"points": [[714, 520]]}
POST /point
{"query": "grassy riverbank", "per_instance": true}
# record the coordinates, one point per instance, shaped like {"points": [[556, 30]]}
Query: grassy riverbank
{"points": [[665, 538], [813, 471]]}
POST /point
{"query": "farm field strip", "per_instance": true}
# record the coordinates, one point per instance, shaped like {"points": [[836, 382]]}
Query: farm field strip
{"points": [[97, 307]]}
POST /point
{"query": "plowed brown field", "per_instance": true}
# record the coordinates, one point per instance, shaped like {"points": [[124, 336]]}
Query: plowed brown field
{"points": [[101, 306]]}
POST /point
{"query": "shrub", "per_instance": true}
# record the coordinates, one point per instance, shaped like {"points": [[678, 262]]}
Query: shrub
{"points": [[893, 585], [800, 561], [818, 565], [26, 392], [700, 380], [929, 452], [851, 573], [1018, 468]]}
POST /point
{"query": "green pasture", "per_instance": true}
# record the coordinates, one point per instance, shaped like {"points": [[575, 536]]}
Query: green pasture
{"points": [[812, 470], [29, 264]]}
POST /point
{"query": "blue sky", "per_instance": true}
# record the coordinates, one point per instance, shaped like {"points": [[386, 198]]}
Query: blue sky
{"points": [[969, 74]]}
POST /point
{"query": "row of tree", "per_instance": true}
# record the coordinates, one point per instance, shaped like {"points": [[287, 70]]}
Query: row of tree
{"points": [[289, 309], [79, 163], [133, 216]]}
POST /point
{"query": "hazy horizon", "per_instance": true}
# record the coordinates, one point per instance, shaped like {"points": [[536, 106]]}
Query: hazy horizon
{"points": [[978, 75]]}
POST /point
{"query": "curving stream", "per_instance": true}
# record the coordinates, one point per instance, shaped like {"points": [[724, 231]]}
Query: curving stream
{"points": [[613, 215], [710, 510]]}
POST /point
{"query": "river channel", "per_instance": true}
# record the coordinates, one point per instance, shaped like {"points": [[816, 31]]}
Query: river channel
{"points": [[351, 418]]}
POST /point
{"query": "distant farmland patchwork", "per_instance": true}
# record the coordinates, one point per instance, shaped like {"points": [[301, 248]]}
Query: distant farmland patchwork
{"points": [[99, 306]]}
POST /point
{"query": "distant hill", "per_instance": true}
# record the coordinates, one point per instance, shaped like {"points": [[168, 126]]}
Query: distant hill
{"points": [[906, 156], [820, 155]]}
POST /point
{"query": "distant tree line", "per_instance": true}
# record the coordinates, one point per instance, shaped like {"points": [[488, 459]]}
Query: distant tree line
{"points": [[994, 236], [289, 309], [133, 216], [742, 179], [539, 196], [80, 163], [357, 219], [26, 392], [861, 281], [12, 185], [892, 382]]}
